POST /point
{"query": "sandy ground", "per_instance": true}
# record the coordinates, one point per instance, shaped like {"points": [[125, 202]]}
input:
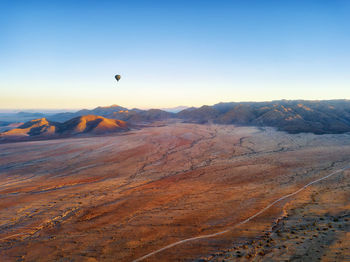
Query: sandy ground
{"points": [[315, 226], [120, 197]]}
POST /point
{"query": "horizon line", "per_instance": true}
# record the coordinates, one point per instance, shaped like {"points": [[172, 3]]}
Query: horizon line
{"points": [[3, 110]]}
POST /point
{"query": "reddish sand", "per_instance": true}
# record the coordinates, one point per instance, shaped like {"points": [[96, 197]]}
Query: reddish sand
{"points": [[120, 197]]}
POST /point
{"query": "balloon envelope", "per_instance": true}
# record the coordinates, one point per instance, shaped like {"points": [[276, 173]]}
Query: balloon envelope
{"points": [[117, 77]]}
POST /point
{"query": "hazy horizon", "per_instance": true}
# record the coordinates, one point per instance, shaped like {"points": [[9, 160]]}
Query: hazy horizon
{"points": [[57, 110]]}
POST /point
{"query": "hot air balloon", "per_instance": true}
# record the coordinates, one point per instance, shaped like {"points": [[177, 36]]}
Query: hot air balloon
{"points": [[117, 77]]}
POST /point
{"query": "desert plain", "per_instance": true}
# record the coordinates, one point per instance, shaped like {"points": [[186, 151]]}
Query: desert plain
{"points": [[120, 197]]}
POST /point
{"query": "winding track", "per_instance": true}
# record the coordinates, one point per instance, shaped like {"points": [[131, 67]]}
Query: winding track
{"points": [[244, 221]]}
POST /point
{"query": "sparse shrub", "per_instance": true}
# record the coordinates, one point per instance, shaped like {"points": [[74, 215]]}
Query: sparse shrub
{"points": [[261, 253]]}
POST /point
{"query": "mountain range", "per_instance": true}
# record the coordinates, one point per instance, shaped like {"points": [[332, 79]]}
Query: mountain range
{"points": [[293, 116], [117, 112]]}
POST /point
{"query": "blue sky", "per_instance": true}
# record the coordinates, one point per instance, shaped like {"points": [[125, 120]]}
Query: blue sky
{"points": [[64, 54]]}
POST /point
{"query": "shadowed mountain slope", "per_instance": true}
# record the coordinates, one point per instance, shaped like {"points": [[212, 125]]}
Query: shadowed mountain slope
{"points": [[34, 127], [295, 116]]}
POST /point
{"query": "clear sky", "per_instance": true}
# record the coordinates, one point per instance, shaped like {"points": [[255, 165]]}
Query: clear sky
{"points": [[64, 54]]}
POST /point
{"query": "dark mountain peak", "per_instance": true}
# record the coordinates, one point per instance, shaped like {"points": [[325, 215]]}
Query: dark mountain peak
{"points": [[109, 108]]}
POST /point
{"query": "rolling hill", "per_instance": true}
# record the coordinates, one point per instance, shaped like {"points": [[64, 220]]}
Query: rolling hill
{"points": [[34, 127], [79, 125], [91, 124]]}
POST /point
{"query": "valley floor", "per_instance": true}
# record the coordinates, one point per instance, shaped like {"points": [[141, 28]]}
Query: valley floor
{"points": [[120, 197]]}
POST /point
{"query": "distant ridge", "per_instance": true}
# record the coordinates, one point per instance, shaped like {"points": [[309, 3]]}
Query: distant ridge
{"points": [[293, 116], [100, 111], [174, 109], [117, 112]]}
